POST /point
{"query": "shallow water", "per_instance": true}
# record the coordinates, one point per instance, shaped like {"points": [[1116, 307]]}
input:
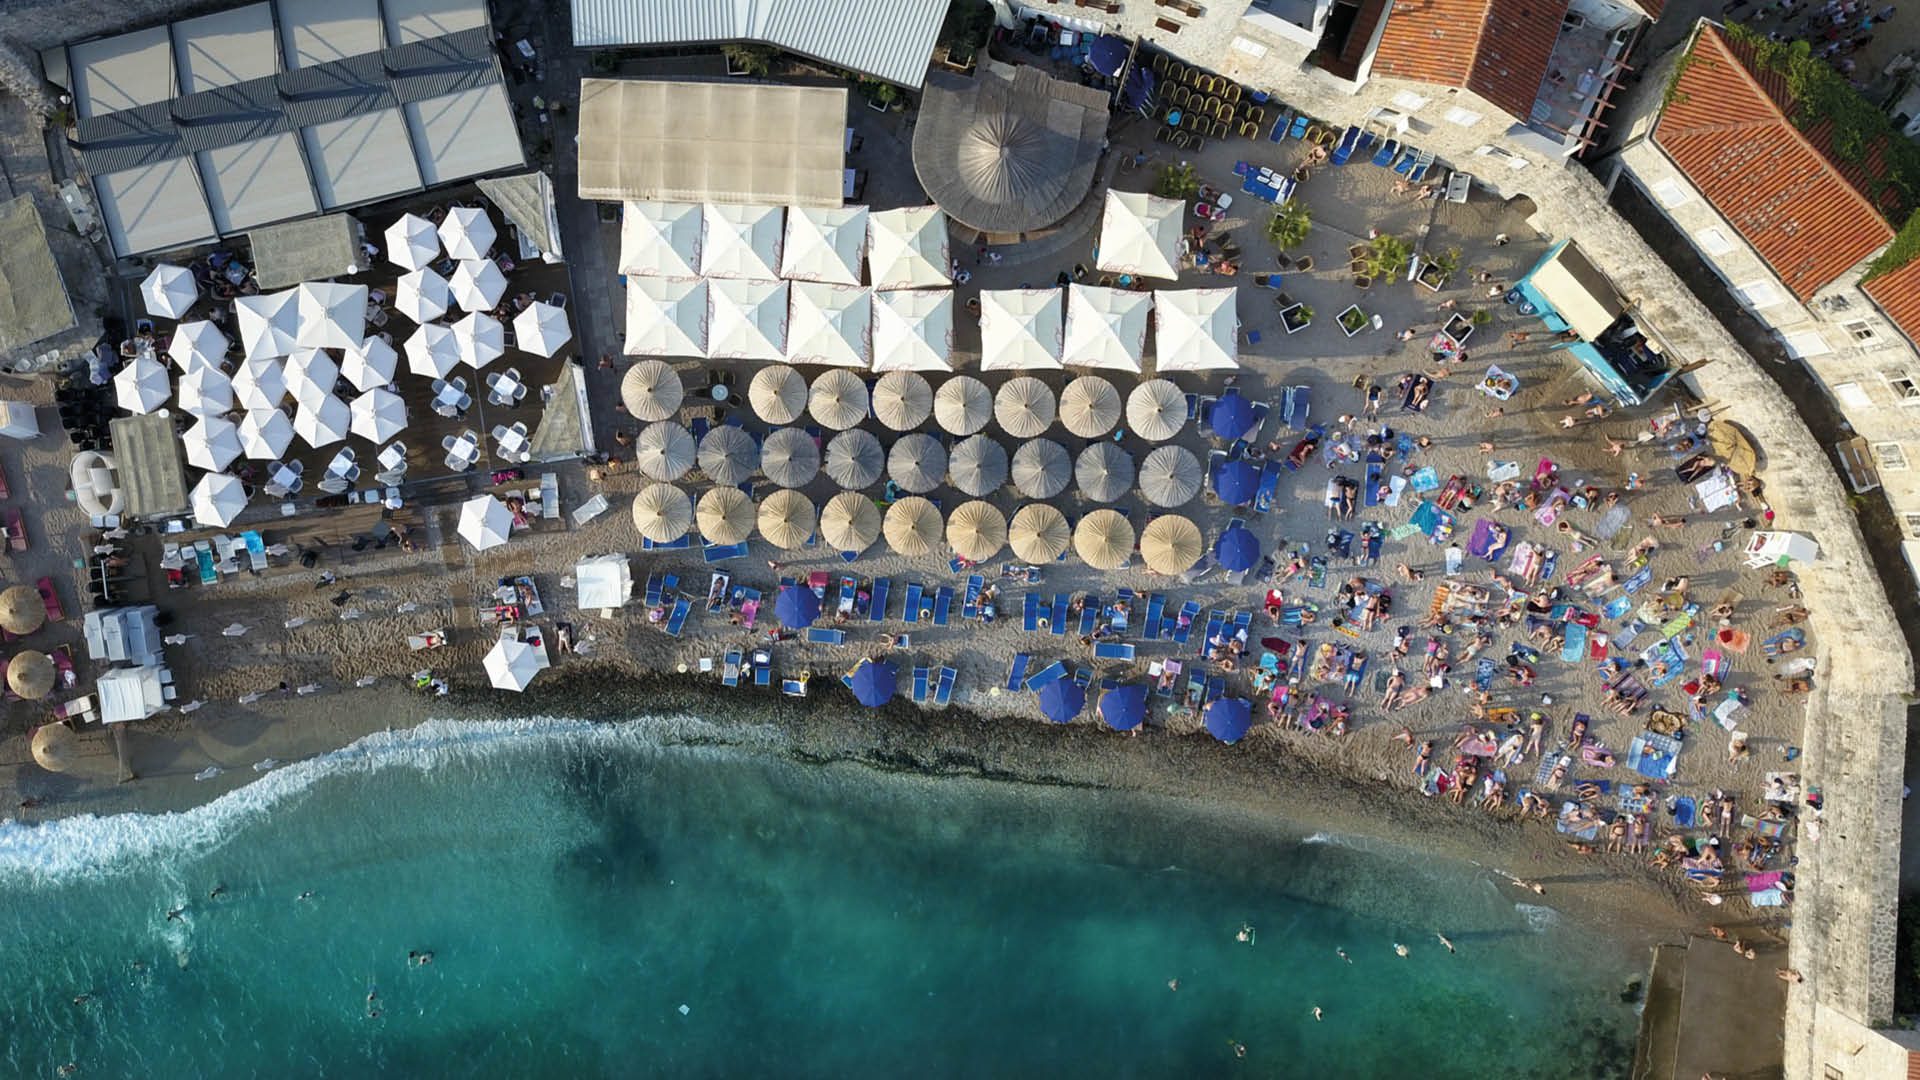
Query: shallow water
{"points": [[598, 904]]}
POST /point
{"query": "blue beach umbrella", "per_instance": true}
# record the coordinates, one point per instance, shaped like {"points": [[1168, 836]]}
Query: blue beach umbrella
{"points": [[1237, 549], [1229, 718], [873, 682], [1124, 707], [796, 607], [1232, 415], [1234, 481], [1061, 700], [1108, 54]]}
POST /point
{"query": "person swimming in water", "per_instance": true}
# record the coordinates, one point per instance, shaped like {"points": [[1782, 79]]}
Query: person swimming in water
{"points": [[217, 890], [1245, 934], [1399, 948], [418, 957], [173, 915], [1316, 1012], [1444, 941], [1341, 952]]}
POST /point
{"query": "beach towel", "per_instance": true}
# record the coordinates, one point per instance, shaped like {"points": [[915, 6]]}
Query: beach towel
{"points": [[1575, 647], [1395, 485], [1676, 625], [1545, 771], [1774, 897], [1547, 514], [1484, 670], [1713, 663], [1618, 606], [1526, 561], [1499, 472], [1480, 746], [1565, 823], [1596, 754], [1403, 530], [1425, 479], [1612, 522], [1426, 517], [1771, 646], [1653, 755], [1638, 581], [1734, 639], [1480, 542], [1454, 558], [1684, 812], [1596, 646]]}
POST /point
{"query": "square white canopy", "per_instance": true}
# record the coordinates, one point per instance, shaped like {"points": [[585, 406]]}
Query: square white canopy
{"points": [[741, 241], [746, 320], [603, 582], [1140, 235], [1196, 329], [666, 317], [1021, 329], [913, 330], [660, 239], [829, 324], [825, 244], [1106, 328], [908, 248]]}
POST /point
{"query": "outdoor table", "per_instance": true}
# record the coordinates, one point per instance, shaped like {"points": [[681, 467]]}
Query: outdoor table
{"points": [[449, 396], [846, 184], [285, 476], [393, 456], [342, 463], [720, 391], [506, 389], [463, 453], [513, 443]]}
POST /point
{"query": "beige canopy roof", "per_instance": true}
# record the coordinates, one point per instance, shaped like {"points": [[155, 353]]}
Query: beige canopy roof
{"points": [[721, 142], [1579, 292], [913, 526], [1039, 533], [725, 515]]}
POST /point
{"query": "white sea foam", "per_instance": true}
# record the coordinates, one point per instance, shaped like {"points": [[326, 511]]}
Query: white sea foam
{"points": [[1540, 918], [88, 844]]}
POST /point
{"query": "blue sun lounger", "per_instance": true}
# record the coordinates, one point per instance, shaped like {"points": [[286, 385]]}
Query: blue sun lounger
{"points": [[677, 545], [678, 620], [1017, 674], [1188, 613], [942, 605], [714, 553], [1113, 650], [1384, 156], [659, 587], [821, 635], [1263, 496], [877, 610], [912, 612], [1374, 468], [762, 669], [1300, 125], [1405, 165], [1057, 621], [920, 685], [1156, 607], [1089, 614], [943, 693], [730, 668], [1053, 672], [1031, 613], [1215, 621], [1349, 142], [1242, 623], [970, 607]]}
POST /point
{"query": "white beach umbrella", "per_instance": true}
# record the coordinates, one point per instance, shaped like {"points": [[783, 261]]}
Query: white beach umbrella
{"points": [[963, 405], [728, 454], [660, 239], [1170, 476], [511, 664], [260, 384], [1104, 539], [268, 324], [378, 415], [786, 519], [332, 315], [412, 242], [912, 526], [422, 295], [197, 342], [542, 329], [1038, 533], [1140, 234], [1041, 468], [976, 531], [206, 391], [480, 339], [977, 465], [1104, 472], [311, 375], [265, 434], [169, 291], [323, 421], [1171, 544], [662, 513], [218, 499], [477, 285], [908, 248], [467, 233], [1090, 406], [917, 463], [141, 386], [838, 399], [431, 351], [370, 364], [651, 390], [485, 522], [726, 515], [850, 522], [211, 443]]}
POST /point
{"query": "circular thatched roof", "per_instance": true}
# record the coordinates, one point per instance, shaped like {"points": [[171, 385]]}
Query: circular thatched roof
{"points": [[1009, 150]]}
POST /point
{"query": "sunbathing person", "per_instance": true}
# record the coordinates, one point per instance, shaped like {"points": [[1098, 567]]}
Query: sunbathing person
{"points": [[1395, 684], [1496, 796], [1795, 685]]}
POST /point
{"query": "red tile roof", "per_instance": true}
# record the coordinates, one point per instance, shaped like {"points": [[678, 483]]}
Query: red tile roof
{"points": [[1807, 212], [1898, 294], [1499, 49]]}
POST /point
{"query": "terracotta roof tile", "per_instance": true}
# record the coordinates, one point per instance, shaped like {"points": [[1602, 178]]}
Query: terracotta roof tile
{"points": [[1499, 49], [1806, 212], [1898, 294]]}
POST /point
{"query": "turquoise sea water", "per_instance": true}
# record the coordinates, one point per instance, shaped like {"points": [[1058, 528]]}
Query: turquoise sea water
{"points": [[597, 905]]}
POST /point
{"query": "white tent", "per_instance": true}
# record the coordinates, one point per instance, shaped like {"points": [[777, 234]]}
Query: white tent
{"points": [[829, 324], [322, 421], [541, 329], [431, 351], [1196, 329], [741, 241], [131, 693], [485, 522], [660, 239], [1106, 328], [197, 342], [265, 434], [603, 582], [913, 330], [142, 386], [169, 291], [480, 340], [332, 316], [218, 499], [666, 317], [268, 323], [746, 320], [825, 244], [907, 248], [206, 391], [412, 242], [370, 364], [378, 415], [422, 296], [211, 443], [467, 233], [477, 285], [1020, 329], [511, 664], [311, 375], [1140, 235], [259, 384]]}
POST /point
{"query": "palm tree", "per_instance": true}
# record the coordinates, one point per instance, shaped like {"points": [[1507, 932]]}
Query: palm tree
{"points": [[1289, 226], [1387, 258], [1177, 182]]}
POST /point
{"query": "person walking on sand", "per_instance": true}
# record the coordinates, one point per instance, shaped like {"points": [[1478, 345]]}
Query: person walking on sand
{"points": [[193, 706], [295, 623], [176, 639], [365, 681], [250, 697]]}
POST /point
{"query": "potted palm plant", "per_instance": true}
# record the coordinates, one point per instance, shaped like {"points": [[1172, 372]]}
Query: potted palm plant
{"points": [[1353, 320], [1436, 269], [1296, 318], [1289, 225], [1386, 258]]}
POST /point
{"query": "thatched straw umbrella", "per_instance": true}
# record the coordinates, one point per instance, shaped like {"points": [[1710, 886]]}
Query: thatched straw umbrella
{"points": [[787, 519], [1156, 410], [977, 466], [21, 610], [664, 451], [790, 457], [662, 513], [1104, 472], [838, 399], [651, 390], [1171, 544], [850, 522], [902, 400], [1089, 406], [728, 455], [976, 531], [30, 674], [1041, 469], [53, 748], [1024, 407], [1104, 540], [855, 459], [778, 394], [917, 463], [913, 526], [963, 405], [725, 515], [1170, 476], [1039, 533]]}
